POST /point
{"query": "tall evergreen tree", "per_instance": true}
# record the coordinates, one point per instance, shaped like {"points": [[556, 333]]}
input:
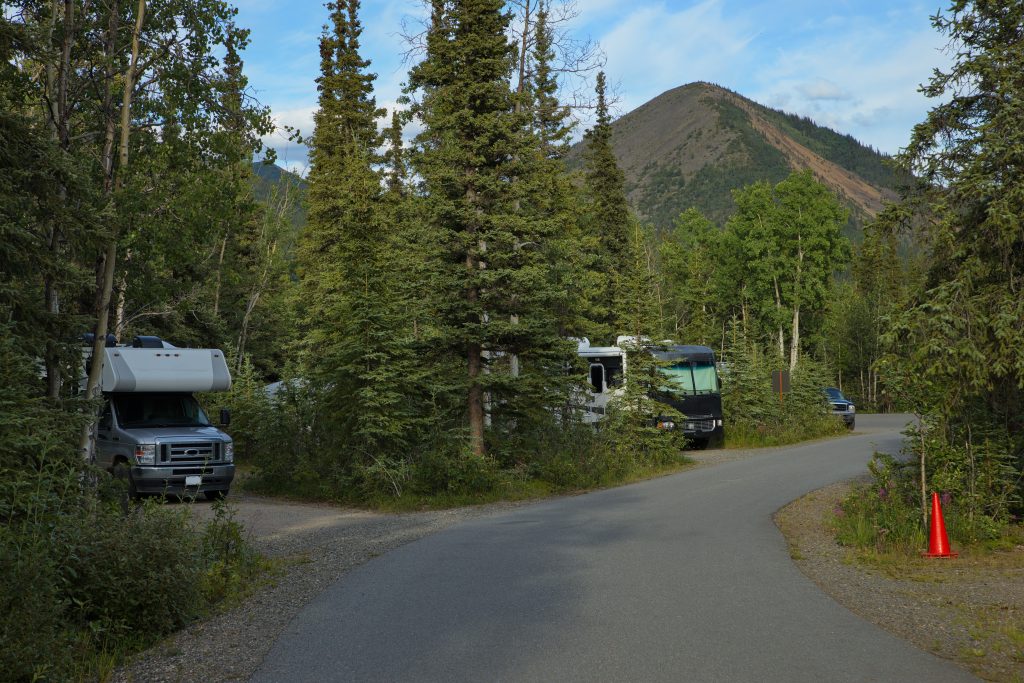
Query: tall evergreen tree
{"points": [[358, 340], [477, 158], [606, 217]]}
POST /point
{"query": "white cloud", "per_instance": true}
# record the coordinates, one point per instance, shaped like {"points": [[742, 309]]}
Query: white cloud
{"points": [[879, 70], [854, 67], [822, 89], [654, 49]]}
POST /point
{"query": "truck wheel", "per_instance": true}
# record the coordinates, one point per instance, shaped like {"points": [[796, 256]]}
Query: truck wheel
{"points": [[122, 472], [216, 495]]}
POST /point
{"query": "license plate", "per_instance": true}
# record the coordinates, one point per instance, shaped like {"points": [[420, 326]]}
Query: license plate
{"points": [[193, 480]]}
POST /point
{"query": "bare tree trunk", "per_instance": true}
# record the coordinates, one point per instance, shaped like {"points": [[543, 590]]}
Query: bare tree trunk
{"points": [[57, 89], [122, 300], [475, 397], [476, 400], [220, 266], [522, 57], [794, 342], [924, 485], [110, 255], [778, 307], [254, 298]]}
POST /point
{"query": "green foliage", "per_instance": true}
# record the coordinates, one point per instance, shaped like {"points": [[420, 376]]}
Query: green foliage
{"points": [[955, 347], [754, 414], [81, 577], [688, 260], [887, 515], [882, 516]]}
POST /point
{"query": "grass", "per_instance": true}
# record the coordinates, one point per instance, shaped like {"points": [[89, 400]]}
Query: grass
{"points": [[758, 436], [512, 487], [510, 490]]}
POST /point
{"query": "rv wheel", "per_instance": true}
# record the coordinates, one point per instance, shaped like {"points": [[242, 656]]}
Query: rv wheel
{"points": [[122, 472]]}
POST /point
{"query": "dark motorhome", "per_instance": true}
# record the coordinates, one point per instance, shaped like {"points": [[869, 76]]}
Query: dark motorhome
{"points": [[691, 386]]}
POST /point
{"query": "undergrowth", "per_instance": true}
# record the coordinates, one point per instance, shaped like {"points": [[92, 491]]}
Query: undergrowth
{"points": [[85, 581]]}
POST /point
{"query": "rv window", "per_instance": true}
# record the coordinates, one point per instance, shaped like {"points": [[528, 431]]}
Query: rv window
{"points": [[691, 378], [597, 377], [159, 410]]}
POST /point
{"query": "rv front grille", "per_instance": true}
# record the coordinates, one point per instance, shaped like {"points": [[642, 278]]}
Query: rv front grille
{"points": [[192, 452], [699, 424]]}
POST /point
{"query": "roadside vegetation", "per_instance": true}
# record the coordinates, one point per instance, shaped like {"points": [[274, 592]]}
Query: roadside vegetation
{"points": [[952, 351]]}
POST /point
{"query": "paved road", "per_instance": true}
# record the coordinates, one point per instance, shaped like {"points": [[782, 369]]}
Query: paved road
{"points": [[683, 578]]}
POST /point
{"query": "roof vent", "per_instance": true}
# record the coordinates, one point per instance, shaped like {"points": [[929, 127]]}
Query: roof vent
{"points": [[145, 342]]}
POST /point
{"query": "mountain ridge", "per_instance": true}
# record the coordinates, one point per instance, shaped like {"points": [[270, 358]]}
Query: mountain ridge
{"points": [[692, 145]]}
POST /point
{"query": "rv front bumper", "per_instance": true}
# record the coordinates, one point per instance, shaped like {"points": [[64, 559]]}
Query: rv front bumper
{"points": [[181, 480]]}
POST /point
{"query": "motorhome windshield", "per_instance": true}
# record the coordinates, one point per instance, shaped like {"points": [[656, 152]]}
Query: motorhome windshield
{"points": [[691, 378], [159, 410]]}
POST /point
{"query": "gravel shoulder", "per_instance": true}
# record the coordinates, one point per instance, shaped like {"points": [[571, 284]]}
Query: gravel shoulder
{"points": [[319, 543], [969, 610]]}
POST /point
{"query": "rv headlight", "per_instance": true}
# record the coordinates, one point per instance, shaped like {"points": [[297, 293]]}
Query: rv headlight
{"points": [[145, 454], [229, 451]]}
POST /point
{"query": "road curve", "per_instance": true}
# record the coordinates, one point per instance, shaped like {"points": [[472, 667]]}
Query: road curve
{"points": [[682, 578]]}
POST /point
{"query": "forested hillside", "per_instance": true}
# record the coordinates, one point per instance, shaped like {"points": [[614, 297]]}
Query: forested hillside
{"points": [[691, 146]]}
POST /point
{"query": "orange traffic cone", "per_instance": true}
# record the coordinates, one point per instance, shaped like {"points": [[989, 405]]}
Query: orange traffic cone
{"points": [[938, 541]]}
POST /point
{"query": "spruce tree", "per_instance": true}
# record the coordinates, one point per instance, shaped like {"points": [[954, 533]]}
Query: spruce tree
{"points": [[357, 344], [957, 346], [606, 218], [478, 161], [636, 420]]}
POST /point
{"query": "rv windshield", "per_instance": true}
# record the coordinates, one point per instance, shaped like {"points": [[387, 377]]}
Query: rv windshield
{"points": [[691, 378], [159, 410]]}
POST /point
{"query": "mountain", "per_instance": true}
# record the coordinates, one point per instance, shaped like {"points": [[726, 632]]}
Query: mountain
{"points": [[692, 145], [270, 177]]}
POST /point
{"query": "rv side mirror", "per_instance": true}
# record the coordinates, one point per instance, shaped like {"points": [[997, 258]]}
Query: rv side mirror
{"points": [[225, 416]]}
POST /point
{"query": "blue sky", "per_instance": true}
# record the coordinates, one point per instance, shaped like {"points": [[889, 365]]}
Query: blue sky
{"points": [[854, 66]]}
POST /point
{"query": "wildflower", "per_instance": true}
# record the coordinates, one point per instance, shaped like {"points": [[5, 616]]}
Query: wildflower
{"points": [[946, 498], [883, 493]]}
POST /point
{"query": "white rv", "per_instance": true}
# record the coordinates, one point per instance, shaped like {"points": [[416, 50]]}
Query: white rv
{"points": [[606, 371], [152, 431]]}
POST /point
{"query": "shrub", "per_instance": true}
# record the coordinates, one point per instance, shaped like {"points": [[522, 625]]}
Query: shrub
{"points": [[79, 577]]}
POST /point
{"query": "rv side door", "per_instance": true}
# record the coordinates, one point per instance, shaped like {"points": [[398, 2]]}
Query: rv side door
{"points": [[597, 378]]}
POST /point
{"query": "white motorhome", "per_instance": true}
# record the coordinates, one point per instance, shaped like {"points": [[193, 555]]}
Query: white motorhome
{"points": [[152, 431], [606, 371]]}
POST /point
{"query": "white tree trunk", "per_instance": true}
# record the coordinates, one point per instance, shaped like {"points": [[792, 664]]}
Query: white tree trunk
{"points": [[110, 256]]}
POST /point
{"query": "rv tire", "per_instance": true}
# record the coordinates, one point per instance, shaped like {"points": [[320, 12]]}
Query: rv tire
{"points": [[123, 472]]}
